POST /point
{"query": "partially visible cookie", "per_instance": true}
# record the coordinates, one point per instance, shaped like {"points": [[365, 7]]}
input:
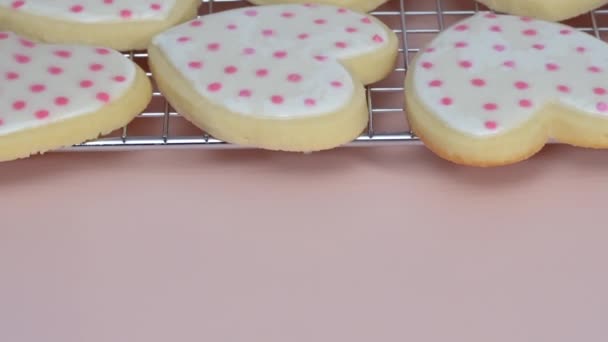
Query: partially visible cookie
{"points": [[54, 96], [116, 24], [551, 10], [278, 77], [493, 89], [357, 5]]}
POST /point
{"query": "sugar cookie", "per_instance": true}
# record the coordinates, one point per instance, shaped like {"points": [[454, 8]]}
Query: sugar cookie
{"points": [[279, 77], [117, 24], [53, 96], [493, 89], [357, 5], [552, 10]]}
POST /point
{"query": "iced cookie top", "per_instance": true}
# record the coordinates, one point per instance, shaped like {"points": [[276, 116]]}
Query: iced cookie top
{"points": [[41, 84], [490, 73], [91, 11], [273, 61]]}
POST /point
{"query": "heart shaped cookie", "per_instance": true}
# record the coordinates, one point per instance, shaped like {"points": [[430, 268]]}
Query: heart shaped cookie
{"points": [[551, 10], [493, 89], [117, 24], [53, 96], [279, 77], [357, 5]]}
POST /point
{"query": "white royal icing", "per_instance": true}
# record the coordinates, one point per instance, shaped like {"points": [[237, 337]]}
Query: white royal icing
{"points": [[42, 84], [90, 11], [490, 73], [273, 61]]}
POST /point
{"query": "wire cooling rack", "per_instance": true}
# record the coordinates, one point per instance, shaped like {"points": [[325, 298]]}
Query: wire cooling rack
{"points": [[416, 22]]}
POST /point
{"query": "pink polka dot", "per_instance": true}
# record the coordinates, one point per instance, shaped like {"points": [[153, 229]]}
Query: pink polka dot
{"points": [[521, 85], [17, 4], [261, 72], [602, 107], [509, 64], [303, 36], [478, 82], [526, 19], [287, 15], [491, 125], [231, 27], [96, 67], [119, 79], [499, 47], [63, 53], [251, 13], [37, 88], [268, 33], [461, 28], [461, 45], [565, 32], [86, 84], [155, 6], [12, 75], [195, 65], [277, 99], [61, 101], [377, 38], [294, 78], [55, 70], [336, 84], [231, 69], [102, 51], [320, 21], [248, 51], [447, 101], [103, 97], [435, 83], [19, 105], [108, 2], [196, 23], [465, 64], [22, 59], [76, 8], [563, 88], [342, 10], [26, 43], [427, 65], [214, 87], [213, 47], [538, 46], [280, 54], [552, 67], [581, 49], [490, 16], [183, 39], [495, 28], [599, 91], [126, 14], [310, 102], [341, 45], [245, 93], [366, 20], [42, 114], [490, 106], [351, 29], [429, 50], [594, 69], [1, 122], [321, 58], [525, 103], [3, 35], [530, 32]]}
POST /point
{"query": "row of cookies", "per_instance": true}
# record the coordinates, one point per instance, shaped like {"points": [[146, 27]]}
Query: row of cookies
{"points": [[487, 91]]}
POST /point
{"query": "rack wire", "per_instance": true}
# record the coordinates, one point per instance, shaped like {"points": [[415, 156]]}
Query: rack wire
{"points": [[416, 22]]}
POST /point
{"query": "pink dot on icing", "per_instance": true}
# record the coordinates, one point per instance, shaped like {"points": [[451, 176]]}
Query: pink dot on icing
{"points": [[465, 64], [63, 53], [280, 54], [430, 50], [294, 78], [594, 69], [245, 93], [478, 82], [526, 19], [231, 69], [490, 106], [530, 32], [19, 105], [42, 114], [565, 32], [491, 125], [1, 122], [277, 99], [214, 87], [251, 13], [490, 16], [341, 45], [351, 29], [26, 43], [155, 7], [321, 58], [495, 28], [499, 47], [213, 46], [563, 88], [303, 36], [377, 38], [55, 70], [96, 67], [602, 107], [183, 39], [538, 46], [126, 14], [342, 10], [268, 33], [195, 65], [102, 51], [37, 88], [447, 101], [552, 67], [427, 65], [525, 103], [76, 8], [103, 97], [435, 83], [461, 27], [108, 2], [320, 21], [86, 84], [336, 84], [119, 79], [261, 72], [248, 51], [196, 23], [461, 45], [521, 85], [599, 91], [17, 4], [12, 75], [310, 102], [231, 27], [22, 59], [3, 35], [287, 14], [61, 101], [366, 20], [581, 49], [509, 64]]}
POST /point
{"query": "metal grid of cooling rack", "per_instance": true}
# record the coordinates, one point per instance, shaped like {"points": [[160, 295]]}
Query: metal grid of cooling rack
{"points": [[414, 21]]}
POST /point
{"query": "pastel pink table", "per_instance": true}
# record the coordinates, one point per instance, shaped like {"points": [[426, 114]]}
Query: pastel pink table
{"points": [[354, 245]]}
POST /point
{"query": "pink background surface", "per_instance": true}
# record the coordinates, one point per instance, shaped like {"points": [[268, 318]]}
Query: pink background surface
{"points": [[357, 245]]}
